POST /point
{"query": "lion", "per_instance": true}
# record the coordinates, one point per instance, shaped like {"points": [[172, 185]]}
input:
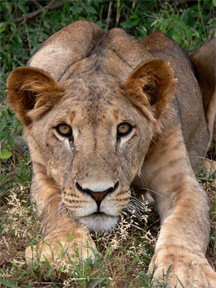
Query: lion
{"points": [[102, 109]]}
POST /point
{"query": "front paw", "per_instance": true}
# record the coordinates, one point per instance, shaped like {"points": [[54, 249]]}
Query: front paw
{"points": [[188, 268], [57, 248]]}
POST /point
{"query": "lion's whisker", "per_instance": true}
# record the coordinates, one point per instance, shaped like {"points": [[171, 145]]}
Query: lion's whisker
{"points": [[141, 176], [58, 210], [138, 201], [61, 208], [52, 198], [153, 192], [135, 210], [57, 213], [55, 205]]}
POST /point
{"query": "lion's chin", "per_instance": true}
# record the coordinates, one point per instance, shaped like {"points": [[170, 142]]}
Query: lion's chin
{"points": [[99, 222]]}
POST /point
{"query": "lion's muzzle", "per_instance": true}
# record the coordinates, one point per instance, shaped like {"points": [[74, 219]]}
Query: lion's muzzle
{"points": [[98, 196]]}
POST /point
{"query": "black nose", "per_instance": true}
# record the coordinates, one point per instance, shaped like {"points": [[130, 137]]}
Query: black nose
{"points": [[99, 195]]}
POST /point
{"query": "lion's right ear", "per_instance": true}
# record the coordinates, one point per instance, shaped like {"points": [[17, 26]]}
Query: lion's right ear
{"points": [[150, 87], [31, 93]]}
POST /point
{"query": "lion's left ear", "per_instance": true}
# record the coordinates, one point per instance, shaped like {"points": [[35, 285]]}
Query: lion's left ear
{"points": [[31, 93], [150, 87]]}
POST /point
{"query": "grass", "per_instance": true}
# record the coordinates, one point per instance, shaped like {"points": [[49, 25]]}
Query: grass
{"points": [[125, 253]]}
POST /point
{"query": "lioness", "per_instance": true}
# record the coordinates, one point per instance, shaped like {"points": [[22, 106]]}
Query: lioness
{"points": [[99, 110]]}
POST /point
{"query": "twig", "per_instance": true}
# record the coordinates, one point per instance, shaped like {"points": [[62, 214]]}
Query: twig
{"points": [[108, 16], [35, 13], [6, 243], [48, 283]]}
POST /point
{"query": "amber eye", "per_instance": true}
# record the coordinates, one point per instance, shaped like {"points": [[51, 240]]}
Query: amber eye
{"points": [[64, 130], [124, 129]]}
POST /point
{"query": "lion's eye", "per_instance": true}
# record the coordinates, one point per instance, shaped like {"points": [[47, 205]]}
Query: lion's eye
{"points": [[64, 130], [124, 129]]}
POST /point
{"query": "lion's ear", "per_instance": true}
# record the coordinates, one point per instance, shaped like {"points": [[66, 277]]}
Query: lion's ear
{"points": [[31, 93], [150, 87]]}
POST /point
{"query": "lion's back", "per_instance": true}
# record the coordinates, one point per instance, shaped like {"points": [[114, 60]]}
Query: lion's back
{"points": [[188, 101]]}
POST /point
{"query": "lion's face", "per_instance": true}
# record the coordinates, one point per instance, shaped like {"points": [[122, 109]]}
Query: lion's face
{"points": [[90, 132], [89, 143]]}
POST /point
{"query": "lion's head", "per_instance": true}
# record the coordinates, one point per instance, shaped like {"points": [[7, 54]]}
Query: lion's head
{"points": [[90, 126]]}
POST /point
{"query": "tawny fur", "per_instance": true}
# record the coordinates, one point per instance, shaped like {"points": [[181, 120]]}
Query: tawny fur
{"points": [[97, 84]]}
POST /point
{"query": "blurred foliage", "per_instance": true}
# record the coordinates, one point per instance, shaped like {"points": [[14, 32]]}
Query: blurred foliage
{"points": [[190, 23], [26, 24]]}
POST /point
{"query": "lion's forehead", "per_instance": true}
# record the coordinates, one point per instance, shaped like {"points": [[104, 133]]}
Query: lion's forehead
{"points": [[93, 102], [93, 111], [92, 85]]}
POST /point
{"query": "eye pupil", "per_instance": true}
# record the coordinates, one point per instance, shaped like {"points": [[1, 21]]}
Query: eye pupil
{"points": [[124, 129], [64, 130]]}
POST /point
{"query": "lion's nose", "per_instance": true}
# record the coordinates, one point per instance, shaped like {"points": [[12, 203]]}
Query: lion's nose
{"points": [[98, 196]]}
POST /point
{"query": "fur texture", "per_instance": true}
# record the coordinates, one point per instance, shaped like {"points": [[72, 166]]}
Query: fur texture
{"points": [[115, 98]]}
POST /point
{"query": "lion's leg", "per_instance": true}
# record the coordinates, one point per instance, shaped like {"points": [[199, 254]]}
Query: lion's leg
{"points": [[184, 212], [56, 225]]}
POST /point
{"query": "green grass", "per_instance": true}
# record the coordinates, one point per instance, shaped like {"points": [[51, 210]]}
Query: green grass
{"points": [[125, 254], [124, 257]]}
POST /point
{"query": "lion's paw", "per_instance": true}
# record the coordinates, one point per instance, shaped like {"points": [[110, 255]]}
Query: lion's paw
{"points": [[56, 251], [186, 268], [209, 168]]}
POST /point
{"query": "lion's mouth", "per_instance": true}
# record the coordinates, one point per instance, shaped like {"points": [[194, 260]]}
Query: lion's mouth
{"points": [[99, 221], [98, 213]]}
